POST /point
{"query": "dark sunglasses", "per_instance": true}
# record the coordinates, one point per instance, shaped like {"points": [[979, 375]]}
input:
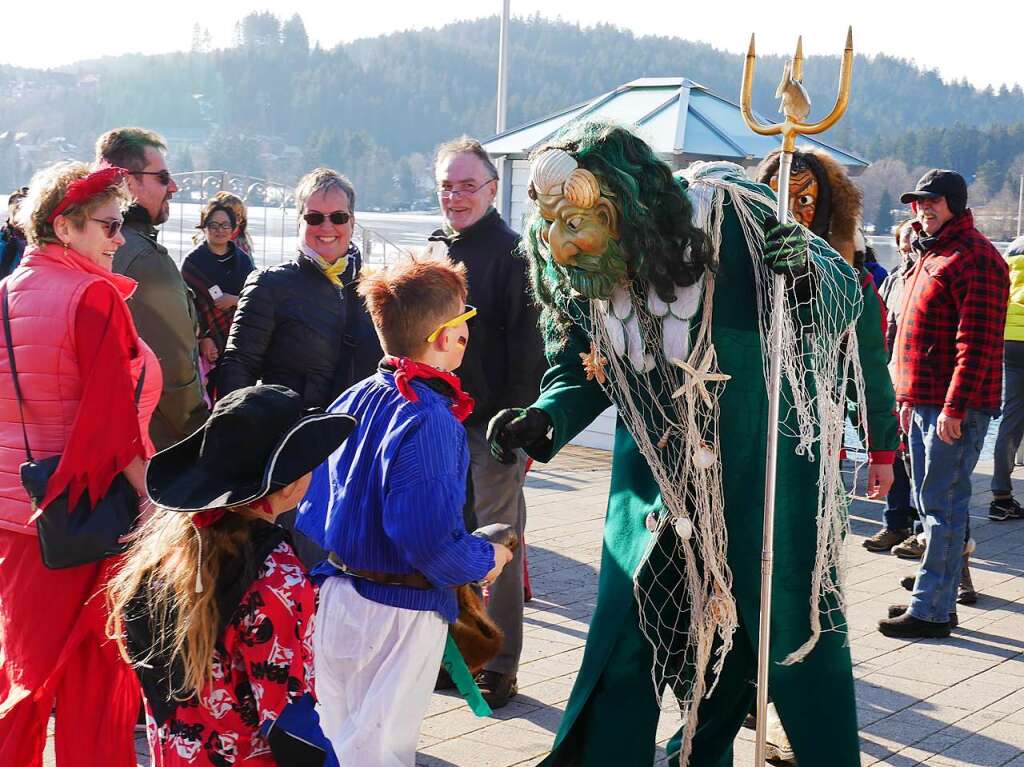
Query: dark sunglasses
{"points": [[163, 176], [337, 217], [111, 227]]}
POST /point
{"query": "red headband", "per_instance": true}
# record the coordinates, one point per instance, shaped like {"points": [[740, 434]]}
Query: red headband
{"points": [[88, 187]]}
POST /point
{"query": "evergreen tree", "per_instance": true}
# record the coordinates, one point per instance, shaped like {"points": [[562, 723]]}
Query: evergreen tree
{"points": [[294, 37], [884, 218]]}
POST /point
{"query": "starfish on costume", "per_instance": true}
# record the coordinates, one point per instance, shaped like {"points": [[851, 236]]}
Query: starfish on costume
{"points": [[593, 364], [698, 377]]}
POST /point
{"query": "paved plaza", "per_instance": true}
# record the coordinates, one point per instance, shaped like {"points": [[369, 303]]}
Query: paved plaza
{"points": [[944, 702]]}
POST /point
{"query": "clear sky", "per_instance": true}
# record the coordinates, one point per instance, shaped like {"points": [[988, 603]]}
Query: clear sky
{"points": [[979, 40]]}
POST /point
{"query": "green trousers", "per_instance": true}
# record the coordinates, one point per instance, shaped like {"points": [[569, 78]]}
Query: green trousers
{"points": [[814, 699]]}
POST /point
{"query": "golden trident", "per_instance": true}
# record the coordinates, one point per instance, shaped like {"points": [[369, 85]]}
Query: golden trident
{"points": [[795, 107]]}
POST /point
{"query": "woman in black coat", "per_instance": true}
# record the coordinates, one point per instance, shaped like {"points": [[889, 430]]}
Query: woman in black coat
{"points": [[301, 324]]}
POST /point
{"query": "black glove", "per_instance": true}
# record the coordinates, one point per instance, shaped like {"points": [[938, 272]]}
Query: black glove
{"points": [[785, 248], [516, 427]]}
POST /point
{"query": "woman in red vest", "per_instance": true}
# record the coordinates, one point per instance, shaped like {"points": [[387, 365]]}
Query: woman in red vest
{"points": [[79, 360]]}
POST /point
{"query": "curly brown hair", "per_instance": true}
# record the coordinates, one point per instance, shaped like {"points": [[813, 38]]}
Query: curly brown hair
{"points": [[48, 188]]}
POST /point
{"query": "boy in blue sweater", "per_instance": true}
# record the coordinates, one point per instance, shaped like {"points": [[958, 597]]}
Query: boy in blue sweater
{"points": [[387, 506]]}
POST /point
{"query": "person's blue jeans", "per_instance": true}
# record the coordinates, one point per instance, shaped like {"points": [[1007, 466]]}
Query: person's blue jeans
{"points": [[942, 481], [899, 513], [1011, 428]]}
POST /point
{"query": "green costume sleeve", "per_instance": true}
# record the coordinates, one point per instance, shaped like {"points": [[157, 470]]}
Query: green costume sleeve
{"points": [[880, 399], [569, 399]]}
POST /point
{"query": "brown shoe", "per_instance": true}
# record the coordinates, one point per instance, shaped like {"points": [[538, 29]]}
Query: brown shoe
{"points": [[497, 688], [885, 539], [911, 548], [965, 593]]}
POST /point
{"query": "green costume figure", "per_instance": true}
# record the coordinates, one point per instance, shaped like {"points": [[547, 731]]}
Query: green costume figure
{"points": [[655, 292]]}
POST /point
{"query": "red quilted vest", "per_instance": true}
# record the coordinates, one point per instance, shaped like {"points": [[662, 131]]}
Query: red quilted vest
{"points": [[43, 295]]}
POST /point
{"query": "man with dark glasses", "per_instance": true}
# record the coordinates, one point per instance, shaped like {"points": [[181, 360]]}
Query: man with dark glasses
{"points": [[162, 306], [503, 364]]}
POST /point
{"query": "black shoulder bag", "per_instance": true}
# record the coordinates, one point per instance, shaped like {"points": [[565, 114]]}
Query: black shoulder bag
{"points": [[71, 537]]}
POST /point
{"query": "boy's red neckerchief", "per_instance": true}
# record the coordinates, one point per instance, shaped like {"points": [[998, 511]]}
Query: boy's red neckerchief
{"points": [[407, 370]]}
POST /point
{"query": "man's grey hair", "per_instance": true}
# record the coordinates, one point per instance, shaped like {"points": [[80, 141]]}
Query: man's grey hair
{"points": [[465, 145], [319, 180]]}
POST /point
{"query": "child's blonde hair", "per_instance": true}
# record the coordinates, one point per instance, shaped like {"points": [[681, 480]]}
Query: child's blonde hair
{"points": [[161, 564]]}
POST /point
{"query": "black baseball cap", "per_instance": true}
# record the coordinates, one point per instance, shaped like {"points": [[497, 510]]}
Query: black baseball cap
{"points": [[940, 183]]}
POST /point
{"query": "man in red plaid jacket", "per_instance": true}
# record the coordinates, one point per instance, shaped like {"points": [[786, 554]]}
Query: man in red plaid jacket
{"points": [[948, 373]]}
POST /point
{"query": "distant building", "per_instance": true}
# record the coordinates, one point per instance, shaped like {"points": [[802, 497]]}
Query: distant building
{"points": [[682, 120]]}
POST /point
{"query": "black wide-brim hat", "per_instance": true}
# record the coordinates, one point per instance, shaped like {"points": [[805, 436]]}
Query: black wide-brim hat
{"points": [[256, 441]]}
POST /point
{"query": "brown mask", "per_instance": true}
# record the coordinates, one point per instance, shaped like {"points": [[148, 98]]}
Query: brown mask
{"points": [[803, 194]]}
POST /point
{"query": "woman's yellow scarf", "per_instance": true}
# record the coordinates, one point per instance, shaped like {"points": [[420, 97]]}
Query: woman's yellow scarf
{"points": [[333, 272]]}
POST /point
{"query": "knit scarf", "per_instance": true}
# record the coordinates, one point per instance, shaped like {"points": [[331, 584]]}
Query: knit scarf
{"points": [[334, 271], [406, 371]]}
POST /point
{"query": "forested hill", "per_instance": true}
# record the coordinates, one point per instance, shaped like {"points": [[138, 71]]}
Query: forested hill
{"points": [[273, 106]]}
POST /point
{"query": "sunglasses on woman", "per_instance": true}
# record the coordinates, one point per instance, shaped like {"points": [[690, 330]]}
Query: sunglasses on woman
{"points": [[454, 322], [337, 217], [111, 227]]}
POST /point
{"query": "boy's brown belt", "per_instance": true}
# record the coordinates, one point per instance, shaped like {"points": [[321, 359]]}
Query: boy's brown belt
{"points": [[495, 533], [412, 580]]}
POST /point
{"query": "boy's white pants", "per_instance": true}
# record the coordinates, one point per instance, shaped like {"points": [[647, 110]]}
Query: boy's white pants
{"points": [[375, 668]]}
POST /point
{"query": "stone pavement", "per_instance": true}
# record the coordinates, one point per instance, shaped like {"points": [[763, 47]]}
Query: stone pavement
{"points": [[945, 702]]}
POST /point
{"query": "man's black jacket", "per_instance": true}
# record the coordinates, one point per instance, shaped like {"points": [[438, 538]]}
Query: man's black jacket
{"points": [[505, 357], [294, 328]]}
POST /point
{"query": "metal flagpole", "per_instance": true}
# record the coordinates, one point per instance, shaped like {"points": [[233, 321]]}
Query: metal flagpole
{"points": [[1020, 204], [503, 67], [795, 108]]}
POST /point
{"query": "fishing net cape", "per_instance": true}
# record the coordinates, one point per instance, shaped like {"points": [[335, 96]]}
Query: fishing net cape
{"points": [[659, 368]]}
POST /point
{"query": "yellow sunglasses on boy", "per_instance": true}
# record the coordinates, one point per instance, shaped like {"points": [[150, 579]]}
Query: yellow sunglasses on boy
{"points": [[454, 322]]}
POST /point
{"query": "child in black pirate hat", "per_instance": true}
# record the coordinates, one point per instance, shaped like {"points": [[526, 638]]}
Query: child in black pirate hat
{"points": [[211, 606]]}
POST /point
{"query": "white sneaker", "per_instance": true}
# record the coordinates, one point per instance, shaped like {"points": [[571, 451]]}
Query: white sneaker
{"points": [[778, 748]]}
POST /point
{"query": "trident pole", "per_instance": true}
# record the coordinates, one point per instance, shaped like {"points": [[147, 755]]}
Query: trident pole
{"points": [[795, 110]]}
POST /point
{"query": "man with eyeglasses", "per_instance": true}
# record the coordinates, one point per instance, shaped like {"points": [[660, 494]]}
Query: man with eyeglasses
{"points": [[161, 306], [501, 369]]}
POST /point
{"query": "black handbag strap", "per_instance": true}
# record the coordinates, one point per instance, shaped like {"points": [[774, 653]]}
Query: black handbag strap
{"points": [[17, 386], [14, 374]]}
